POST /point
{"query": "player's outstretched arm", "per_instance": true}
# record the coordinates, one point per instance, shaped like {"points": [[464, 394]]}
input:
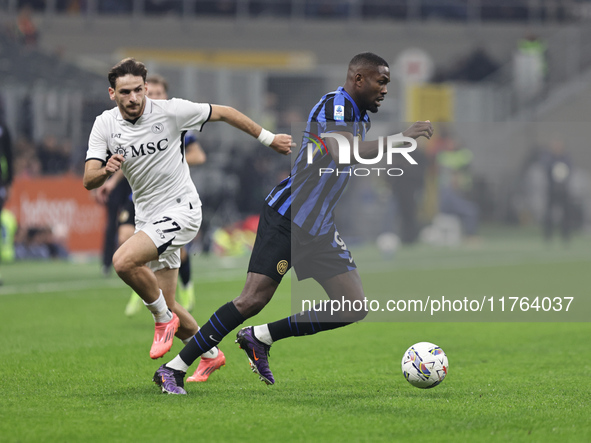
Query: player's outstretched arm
{"points": [[369, 149], [281, 143], [95, 174]]}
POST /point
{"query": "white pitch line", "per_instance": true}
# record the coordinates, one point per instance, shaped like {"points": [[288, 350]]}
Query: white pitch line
{"points": [[367, 267], [83, 285], [63, 286], [488, 262]]}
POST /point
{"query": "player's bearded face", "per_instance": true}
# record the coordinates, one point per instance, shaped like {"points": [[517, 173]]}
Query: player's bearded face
{"points": [[130, 96], [375, 88]]}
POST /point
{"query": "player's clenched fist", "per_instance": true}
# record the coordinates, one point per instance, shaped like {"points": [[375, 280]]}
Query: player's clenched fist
{"points": [[282, 143], [114, 163], [419, 129]]}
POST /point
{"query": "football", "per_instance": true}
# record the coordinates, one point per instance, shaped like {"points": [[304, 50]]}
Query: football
{"points": [[424, 365]]}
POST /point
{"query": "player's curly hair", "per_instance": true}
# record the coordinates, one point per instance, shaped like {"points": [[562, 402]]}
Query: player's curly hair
{"points": [[368, 60], [127, 66]]}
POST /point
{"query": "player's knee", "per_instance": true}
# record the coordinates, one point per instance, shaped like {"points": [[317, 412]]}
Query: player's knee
{"points": [[353, 312], [353, 316], [122, 264], [362, 314]]}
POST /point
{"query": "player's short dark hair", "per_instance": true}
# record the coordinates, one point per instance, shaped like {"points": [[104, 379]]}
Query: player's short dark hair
{"points": [[158, 80], [367, 60], [127, 66]]}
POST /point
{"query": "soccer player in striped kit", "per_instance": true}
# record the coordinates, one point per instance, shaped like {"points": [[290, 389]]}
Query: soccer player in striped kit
{"points": [[297, 229]]}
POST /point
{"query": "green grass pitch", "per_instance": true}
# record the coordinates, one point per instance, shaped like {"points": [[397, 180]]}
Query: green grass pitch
{"points": [[73, 368]]}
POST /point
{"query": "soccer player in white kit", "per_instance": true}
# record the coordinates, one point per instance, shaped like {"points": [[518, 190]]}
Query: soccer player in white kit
{"points": [[144, 138]]}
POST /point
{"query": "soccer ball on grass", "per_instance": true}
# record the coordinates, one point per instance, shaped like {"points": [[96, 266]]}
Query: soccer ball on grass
{"points": [[424, 365]]}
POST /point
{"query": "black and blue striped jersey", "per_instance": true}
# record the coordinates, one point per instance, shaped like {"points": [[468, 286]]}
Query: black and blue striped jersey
{"points": [[308, 196]]}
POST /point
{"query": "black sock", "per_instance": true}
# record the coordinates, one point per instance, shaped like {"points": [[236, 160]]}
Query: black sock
{"points": [[305, 323], [185, 271], [220, 324]]}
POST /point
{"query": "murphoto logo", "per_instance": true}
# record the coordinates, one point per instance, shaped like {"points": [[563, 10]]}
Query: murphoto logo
{"points": [[348, 155]]}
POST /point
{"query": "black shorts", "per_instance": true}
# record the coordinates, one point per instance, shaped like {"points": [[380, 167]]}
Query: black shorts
{"points": [[127, 213], [279, 245]]}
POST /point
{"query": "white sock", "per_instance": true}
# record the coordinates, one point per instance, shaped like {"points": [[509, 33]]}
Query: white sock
{"points": [[160, 310], [262, 334], [212, 353], [178, 364]]}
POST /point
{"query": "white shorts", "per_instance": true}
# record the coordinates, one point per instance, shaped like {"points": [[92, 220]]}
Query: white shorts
{"points": [[170, 231]]}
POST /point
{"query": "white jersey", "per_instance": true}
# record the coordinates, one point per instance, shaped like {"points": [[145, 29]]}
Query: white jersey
{"points": [[154, 151]]}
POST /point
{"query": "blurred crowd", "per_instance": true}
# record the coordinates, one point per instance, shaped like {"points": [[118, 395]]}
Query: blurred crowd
{"points": [[461, 10], [23, 159], [51, 156], [442, 201]]}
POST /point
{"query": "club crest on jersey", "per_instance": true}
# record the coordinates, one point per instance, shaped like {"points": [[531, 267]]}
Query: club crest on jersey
{"points": [[339, 113], [120, 150], [157, 128], [282, 267]]}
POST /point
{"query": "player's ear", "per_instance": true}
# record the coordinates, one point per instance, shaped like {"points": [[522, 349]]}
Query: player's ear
{"points": [[111, 93], [358, 78]]}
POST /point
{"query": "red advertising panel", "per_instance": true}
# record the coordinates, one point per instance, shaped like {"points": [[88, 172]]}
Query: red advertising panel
{"points": [[62, 204]]}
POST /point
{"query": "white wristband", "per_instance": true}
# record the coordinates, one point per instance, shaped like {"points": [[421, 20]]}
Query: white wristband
{"points": [[266, 137]]}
